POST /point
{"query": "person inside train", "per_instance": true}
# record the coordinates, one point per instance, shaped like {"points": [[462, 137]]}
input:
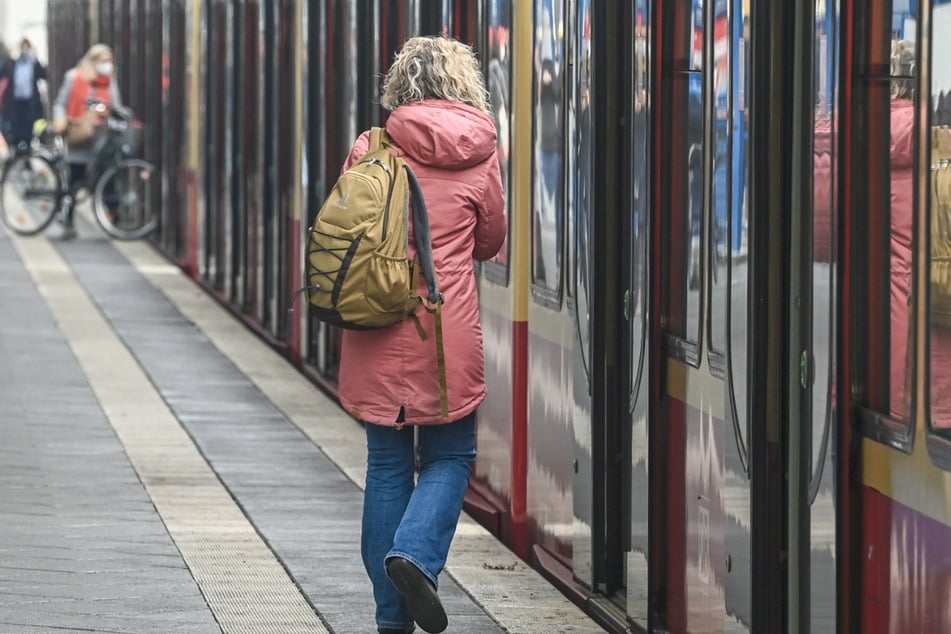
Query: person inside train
{"points": [[22, 100], [88, 92], [441, 122]]}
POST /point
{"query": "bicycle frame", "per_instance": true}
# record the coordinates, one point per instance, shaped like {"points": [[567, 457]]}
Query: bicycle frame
{"points": [[108, 155]]}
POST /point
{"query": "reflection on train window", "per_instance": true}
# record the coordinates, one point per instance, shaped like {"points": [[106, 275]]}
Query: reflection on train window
{"points": [[729, 225], [684, 137], [886, 91], [580, 175], [824, 231], [939, 340], [822, 423], [636, 308], [549, 151], [499, 72]]}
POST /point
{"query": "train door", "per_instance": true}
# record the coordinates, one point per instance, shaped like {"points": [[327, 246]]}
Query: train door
{"points": [[702, 523], [588, 541], [816, 471], [271, 217], [241, 80], [601, 507], [174, 125], [256, 139], [633, 385], [501, 414], [219, 19], [549, 471], [289, 232], [151, 22], [607, 126], [897, 337]]}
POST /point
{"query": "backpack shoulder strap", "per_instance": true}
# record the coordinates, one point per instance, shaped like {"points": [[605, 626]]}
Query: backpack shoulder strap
{"points": [[377, 138], [380, 139], [424, 255], [424, 241]]}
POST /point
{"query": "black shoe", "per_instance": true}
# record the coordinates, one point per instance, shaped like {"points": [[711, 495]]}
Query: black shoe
{"points": [[393, 630], [420, 594]]}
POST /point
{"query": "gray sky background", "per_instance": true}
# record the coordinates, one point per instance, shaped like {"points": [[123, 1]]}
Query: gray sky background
{"points": [[19, 18]]}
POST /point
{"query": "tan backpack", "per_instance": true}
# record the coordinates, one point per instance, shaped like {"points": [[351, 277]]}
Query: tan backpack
{"points": [[357, 273]]}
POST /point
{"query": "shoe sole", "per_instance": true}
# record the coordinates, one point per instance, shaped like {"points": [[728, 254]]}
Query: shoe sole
{"points": [[423, 601]]}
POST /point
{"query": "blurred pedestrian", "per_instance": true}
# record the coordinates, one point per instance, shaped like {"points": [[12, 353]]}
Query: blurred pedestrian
{"points": [[389, 378], [82, 105], [22, 103]]}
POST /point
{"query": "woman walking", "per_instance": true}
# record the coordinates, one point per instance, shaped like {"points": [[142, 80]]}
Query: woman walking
{"points": [[389, 378]]}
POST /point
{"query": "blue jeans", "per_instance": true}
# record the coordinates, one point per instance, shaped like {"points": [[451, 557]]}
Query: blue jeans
{"points": [[415, 522]]}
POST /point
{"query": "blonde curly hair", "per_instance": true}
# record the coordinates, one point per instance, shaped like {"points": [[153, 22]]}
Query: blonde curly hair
{"points": [[903, 67], [434, 68]]}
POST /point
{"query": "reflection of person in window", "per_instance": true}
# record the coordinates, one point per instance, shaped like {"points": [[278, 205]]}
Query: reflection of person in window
{"points": [[499, 92], [549, 98], [822, 190], [902, 210], [585, 132], [498, 86], [695, 174], [940, 301]]}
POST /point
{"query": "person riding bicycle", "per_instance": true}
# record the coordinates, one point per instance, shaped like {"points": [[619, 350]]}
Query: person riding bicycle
{"points": [[88, 93]]}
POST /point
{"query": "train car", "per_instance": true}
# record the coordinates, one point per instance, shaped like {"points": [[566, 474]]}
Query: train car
{"points": [[715, 336]]}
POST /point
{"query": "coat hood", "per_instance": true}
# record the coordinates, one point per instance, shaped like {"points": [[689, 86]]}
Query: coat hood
{"points": [[445, 134]]}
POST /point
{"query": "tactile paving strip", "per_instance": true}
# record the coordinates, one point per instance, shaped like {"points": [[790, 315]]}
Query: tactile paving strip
{"points": [[245, 585]]}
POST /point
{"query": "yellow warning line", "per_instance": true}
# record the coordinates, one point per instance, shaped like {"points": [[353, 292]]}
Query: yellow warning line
{"points": [[244, 584]]}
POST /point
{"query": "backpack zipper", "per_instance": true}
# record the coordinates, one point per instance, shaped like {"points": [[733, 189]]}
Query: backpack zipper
{"points": [[389, 197], [389, 193]]}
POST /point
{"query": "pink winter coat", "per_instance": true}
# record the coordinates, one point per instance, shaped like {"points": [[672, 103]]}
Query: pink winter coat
{"points": [[902, 212], [452, 149]]}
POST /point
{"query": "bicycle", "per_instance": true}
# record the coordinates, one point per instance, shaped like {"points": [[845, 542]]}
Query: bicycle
{"points": [[35, 185]]}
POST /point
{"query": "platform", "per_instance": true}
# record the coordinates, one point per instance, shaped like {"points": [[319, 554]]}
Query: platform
{"points": [[163, 470]]}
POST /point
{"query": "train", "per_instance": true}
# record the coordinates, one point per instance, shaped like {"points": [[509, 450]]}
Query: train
{"points": [[717, 391]]}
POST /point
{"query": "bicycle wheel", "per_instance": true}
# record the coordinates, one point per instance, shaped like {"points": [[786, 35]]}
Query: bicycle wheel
{"points": [[121, 199], [30, 193]]}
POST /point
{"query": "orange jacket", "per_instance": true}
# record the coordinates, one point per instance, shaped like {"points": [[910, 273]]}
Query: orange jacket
{"points": [[452, 149]]}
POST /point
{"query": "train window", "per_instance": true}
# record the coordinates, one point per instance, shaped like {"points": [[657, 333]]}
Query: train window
{"points": [[580, 176], [684, 170], [884, 158], [823, 420], [726, 161], [824, 232], [548, 209], [729, 283], [636, 302], [939, 340], [499, 83]]}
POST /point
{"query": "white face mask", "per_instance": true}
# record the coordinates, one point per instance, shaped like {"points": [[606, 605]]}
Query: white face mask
{"points": [[104, 68]]}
